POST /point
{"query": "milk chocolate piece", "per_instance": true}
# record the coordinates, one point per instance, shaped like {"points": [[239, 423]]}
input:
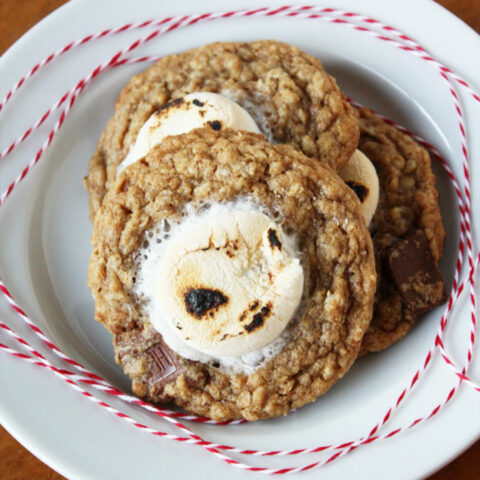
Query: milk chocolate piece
{"points": [[164, 364], [129, 344], [416, 275]]}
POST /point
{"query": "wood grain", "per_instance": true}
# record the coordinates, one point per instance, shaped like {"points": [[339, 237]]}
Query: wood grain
{"points": [[16, 463]]}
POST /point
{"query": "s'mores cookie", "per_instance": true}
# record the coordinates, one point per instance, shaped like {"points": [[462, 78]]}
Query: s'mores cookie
{"points": [[286, 91], [236, 276], [407, 232]]}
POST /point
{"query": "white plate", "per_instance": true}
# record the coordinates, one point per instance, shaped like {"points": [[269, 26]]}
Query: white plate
{"points": [[45, 233]]}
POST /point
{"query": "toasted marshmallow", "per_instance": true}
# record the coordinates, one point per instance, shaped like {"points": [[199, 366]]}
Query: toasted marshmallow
{"points": [[360, 175], [184, 114], [226, 284]]}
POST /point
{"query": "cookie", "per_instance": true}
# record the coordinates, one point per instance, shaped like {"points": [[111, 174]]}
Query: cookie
{"points": [[407, 232], [305, 200], [287, 92]]}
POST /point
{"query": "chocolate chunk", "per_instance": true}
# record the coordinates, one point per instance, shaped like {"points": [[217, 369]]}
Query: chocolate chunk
{"points": [[199, 301], [273, 239], [360, 190], [198, 103], [164, 366], [129, 344], [215, 124], [416, 275]]}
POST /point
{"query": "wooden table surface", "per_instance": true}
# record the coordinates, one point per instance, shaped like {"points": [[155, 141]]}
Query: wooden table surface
{"points": [[16, 463]]}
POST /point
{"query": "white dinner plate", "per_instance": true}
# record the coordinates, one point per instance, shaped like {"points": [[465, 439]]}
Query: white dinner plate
{"points": [[44, 247]]}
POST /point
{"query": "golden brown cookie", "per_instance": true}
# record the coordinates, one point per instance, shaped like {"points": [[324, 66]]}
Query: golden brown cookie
{"points": [[286, 89], [407, 232], [306, 198]]}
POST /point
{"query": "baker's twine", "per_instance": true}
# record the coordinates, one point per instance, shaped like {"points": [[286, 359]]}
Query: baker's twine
{"points": [[83, 378]]}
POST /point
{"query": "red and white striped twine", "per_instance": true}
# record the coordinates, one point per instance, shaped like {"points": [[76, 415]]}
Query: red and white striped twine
{"points": [[100, 387]]}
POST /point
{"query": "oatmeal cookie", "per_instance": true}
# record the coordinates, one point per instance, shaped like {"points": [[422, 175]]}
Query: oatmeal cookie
{"points": [[337, 254], [288, 92], [407, 232]]}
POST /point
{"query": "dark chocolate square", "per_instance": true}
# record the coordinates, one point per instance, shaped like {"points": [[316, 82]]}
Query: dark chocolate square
{"points": [[416, 275]]}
